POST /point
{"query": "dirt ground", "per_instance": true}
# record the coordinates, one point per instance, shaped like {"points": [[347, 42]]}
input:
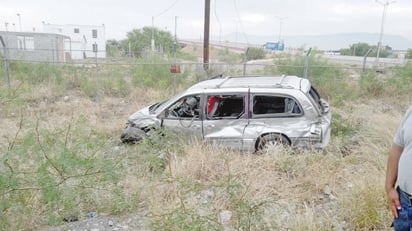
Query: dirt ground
{"points": [[104, 222]]}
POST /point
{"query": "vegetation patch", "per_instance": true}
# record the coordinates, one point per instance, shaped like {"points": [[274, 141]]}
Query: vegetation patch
{"points": [[60, 154]]}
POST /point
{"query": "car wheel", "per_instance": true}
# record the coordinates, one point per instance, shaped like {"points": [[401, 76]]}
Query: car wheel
{"points": [[132, 135], [271, 142]]}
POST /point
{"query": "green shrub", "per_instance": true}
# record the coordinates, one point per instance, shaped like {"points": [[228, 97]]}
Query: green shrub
{"points": [[57, 172], [116, 87], [408, 54], [401, 81], [89, 87], [156, 75], [255, 53], [36, 73], [371, 85]]}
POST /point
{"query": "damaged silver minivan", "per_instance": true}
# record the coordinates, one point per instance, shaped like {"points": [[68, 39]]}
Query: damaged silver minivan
{"points": [[251, 113]]}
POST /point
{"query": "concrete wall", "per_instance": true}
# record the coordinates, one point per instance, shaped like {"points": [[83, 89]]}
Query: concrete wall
{"points": [[36, 47]]}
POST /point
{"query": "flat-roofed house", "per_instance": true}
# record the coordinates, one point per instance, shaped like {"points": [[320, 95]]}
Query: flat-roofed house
{"points": [[86, 41]]}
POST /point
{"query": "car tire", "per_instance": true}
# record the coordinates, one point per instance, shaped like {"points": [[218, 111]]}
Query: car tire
{"points": [[270, 142], [132, 135]]}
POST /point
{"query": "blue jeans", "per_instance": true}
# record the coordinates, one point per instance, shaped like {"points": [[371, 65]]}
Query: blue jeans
{"points": [[404, 220]]}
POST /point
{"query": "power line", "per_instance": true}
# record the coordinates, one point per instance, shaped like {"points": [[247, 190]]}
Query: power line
{"points": [[218, 21], [240, 21], [152, 42], [167, 9]]}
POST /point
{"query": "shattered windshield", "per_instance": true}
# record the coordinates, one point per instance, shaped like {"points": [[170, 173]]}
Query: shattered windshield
{"points": [[154, 107]]}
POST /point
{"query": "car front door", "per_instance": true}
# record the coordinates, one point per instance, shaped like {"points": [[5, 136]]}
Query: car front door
{"points": [[183, 117]]}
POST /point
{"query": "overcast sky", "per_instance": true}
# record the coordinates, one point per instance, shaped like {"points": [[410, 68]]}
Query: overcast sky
{"points": [[249, 17]]}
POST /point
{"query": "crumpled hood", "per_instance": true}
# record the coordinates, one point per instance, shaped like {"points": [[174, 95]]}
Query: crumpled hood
{"points": [[143, 118]]}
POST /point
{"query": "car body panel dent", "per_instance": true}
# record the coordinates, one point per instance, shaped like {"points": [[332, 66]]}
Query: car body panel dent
{"points": [[224, 131], [248, 108]]}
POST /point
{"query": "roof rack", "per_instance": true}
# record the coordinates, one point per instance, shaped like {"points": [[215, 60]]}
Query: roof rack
{"points": [[281, 80], [223, 81], [279, 84]]}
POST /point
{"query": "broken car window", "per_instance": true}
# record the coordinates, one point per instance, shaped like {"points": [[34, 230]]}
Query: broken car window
{"points": [[263, 104], [221, 106], [186, 107]]}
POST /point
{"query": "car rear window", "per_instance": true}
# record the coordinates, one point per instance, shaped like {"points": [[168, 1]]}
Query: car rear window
{"points": [[279, 105]]}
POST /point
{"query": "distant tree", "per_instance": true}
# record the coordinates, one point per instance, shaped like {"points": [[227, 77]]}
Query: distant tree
{"points": [[385, 52], [114, 48], [345, 51], [139, 40], [408, 54], [360, 49], [255, 53]]}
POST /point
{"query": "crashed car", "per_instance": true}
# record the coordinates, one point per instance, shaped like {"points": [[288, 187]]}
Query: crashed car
{"points": [[251, 113]]}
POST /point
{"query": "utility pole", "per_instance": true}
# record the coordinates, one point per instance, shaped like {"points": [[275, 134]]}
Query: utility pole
{"points": [[174, 56], [6, 60], [280, 26], [385, 7], [152, 45], [306, 64], [206, 36], [18, 15]]}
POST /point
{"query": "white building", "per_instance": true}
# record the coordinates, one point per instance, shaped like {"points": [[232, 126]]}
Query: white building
{"points": [[86, 41]]}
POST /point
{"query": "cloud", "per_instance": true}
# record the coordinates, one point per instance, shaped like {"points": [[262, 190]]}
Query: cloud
{"points": [[304, 17]]}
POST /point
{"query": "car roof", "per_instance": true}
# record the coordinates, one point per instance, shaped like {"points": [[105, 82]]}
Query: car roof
{"points": [[290, 82]]}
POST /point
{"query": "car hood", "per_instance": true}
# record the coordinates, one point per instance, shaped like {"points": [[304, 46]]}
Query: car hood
{"points": [[142, 118]]}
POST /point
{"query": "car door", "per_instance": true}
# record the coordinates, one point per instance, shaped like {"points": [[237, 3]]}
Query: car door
{"points": [[225, 119], [183, 117], [279, 114]]}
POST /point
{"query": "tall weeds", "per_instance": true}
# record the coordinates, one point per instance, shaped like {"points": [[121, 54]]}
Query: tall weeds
{"points": [[60, 155]]}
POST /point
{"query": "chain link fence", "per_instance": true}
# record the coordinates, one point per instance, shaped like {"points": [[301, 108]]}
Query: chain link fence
{"points": [[116, 75]]}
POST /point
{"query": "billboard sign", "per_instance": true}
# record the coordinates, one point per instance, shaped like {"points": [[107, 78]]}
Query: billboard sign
{"points": [[274, 46]]}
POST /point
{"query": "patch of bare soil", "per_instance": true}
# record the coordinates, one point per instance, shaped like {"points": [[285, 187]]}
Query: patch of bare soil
{"points": [[103, 222]]}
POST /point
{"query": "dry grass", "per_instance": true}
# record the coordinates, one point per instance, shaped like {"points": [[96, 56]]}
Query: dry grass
{"points": [[309, 190], [339, 188]]}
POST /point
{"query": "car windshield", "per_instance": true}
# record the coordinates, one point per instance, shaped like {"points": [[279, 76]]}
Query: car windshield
{"points": [[157, 107], [154, 107]]}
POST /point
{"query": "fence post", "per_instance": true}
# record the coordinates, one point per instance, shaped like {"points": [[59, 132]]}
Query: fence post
{"points": [[95, 50], [245, 61], [6, 61], [364, 59], [305, 68]]}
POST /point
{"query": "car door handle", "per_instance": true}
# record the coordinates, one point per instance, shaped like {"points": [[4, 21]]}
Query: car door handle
{"points": [[210, 126]]}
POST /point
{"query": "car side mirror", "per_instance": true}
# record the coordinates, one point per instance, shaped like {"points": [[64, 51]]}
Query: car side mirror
{"points": [[163, 114]]}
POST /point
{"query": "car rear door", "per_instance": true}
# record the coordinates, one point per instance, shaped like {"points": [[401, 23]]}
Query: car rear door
{"points": [[225, 121]]}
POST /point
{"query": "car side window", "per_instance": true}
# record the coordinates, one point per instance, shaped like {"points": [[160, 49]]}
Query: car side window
{"points": [[225, 106], [185, 108], [267, 105]]}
